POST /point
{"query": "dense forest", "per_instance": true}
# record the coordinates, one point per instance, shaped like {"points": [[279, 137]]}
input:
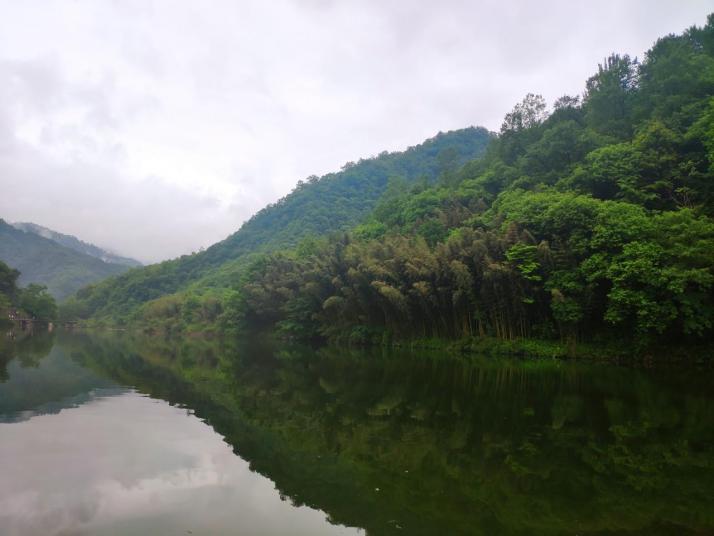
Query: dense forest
{"points": [[591, 221], [54, 262]]}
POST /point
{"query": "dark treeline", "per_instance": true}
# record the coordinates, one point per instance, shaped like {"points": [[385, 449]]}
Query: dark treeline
{"points": [[591, 222]]}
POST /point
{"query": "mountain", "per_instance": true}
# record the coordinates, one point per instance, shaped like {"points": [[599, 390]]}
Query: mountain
{"points": [[72, 242], [592, 223], [41, 260], [316, 207]]}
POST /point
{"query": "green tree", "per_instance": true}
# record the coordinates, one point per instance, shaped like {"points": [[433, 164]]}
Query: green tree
{"points": [[38, 303], [609, 96]]}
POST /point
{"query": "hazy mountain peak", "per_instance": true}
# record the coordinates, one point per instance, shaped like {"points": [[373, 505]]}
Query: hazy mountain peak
{"points": [[72, 242], [48, 262]]}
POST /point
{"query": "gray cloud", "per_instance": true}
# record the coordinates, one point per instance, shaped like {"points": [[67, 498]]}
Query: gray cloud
{"points": [[156, 127]]}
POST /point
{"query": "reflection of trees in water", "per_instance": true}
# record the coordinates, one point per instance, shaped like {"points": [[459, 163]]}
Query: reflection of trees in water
{"points": [[5, 357], [29, 351], [43, 380], [433, 444], [32, 349]]}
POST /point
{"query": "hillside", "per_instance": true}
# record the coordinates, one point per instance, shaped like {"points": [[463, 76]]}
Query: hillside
{"points": [[591, 223], [43, 261], [318, 206], [72, 242]]}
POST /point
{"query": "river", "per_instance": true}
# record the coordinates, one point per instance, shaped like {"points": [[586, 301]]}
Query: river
{"points": [[113, 434]]}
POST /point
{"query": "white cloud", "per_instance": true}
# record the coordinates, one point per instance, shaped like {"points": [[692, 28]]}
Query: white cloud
{"points": [[156, 127]]}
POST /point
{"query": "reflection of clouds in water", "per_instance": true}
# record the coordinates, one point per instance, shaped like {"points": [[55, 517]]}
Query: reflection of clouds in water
{"points": [[38, 512], [132, 464]]}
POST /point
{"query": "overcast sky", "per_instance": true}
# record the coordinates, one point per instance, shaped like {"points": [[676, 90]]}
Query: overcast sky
{"points": [[157, 127]]}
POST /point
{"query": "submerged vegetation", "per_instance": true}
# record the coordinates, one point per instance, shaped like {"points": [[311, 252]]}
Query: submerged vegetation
{"points": [[589, 223]]}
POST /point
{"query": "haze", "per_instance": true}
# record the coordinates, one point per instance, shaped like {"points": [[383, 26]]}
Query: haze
{"points": [[155, 128]]}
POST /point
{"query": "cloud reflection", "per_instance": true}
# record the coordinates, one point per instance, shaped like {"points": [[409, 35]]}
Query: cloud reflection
{"points": [[131, 464]]}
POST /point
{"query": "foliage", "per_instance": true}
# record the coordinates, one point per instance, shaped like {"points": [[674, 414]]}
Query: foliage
{"points": [[33, 301], [38, 303], [8, 281]]}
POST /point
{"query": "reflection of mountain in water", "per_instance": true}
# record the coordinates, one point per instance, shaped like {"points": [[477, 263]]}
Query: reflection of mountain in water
{"points": [[45, 384], [56, 406], [424, 445]]}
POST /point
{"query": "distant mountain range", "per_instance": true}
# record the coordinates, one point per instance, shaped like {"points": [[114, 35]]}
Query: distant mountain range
{"points": [[72, 242], [61, 262]]}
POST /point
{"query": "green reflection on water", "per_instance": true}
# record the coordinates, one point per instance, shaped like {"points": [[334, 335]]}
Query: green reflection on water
{"points": [[422, 444], [60, 383]]}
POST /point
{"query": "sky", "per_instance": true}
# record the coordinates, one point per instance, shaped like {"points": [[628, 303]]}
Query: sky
{"points": [[156, 127]]}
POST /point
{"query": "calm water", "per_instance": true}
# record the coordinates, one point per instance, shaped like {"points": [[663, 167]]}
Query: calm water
{"points": [[119, 435]]}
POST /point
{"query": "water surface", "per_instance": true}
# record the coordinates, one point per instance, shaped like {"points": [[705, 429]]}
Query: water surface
{"points": [[123, 435], [81, 453]]}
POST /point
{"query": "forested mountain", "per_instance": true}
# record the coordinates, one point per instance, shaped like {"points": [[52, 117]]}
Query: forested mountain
{"points": [[593, 222], [45, 262], [589, 222], [317, 206], [72, 242]]}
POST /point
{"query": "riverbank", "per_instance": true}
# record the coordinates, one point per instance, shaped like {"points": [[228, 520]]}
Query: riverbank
{"points": [[601, 349], [549, 349], [606, 350]]}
